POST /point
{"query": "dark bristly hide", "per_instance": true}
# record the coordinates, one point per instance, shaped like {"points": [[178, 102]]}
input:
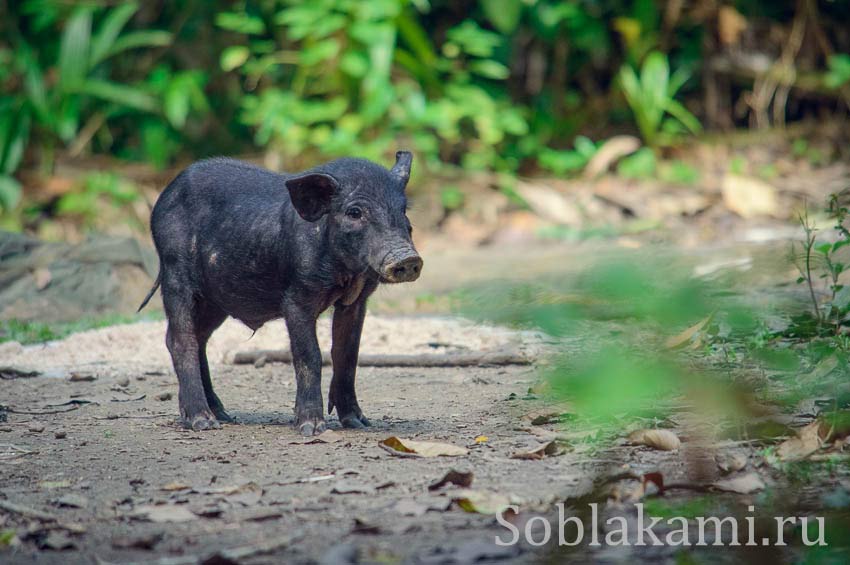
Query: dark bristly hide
{"points": [[237, 240]]}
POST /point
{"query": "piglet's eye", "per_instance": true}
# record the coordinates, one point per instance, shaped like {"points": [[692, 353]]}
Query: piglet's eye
{"points": [[354, 213]]}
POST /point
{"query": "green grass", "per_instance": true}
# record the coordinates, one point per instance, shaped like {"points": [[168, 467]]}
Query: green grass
{"points": [[41, 332]]}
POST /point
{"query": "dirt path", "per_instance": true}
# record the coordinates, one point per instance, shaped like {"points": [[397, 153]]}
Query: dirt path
{"points": [[112, 468], [255, 491]]}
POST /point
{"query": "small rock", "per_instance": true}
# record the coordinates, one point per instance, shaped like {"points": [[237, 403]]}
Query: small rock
{"points": [[35, 427], [72, 501], [163, 396], [146, 542], [57, 541], [60, 434], [261, 361], [124, 382], [82, 377]]}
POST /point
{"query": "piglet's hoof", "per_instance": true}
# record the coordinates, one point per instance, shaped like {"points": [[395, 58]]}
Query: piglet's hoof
{"points": [[204, 420], [311, 427], [222, 416], [354, 422]]}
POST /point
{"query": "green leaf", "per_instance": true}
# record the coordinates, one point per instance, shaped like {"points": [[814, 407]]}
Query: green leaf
{"points": [[33, 83], [74, 48], [682, 114], [503, 14], [119, 94], [677, 81], [839, 71], [451, 197], [824, 248], [354, 63], [320, 52], [14, 135], [561, 162], [490, 69], [136, 39], [585, 146], [233, 57], [473, 40], [839, 244], [240, 23], [638, 165], [176, 104], [109, 30], [10, 192]]}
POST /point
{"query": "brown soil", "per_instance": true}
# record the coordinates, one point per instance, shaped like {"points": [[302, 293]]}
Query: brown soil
{"points": [[120, 451]]}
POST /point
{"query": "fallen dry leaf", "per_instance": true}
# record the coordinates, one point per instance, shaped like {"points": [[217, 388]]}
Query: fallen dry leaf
{"points": [[263, 514], [685, 336], [614, 149], [164, 513], [458, 478], [481, 439], [656, 479], [664, 440], [346, 487], [412, 448], [362, 526], [806, 442], [730, 461], [548, 449], [174, 485], [742, 484], [82, 377], [541, 417], [749, 197], [481, 501], [549, 204]]}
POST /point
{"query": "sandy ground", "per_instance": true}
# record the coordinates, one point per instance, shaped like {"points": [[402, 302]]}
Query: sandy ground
{"points": [[99, 471], [114, 456]]}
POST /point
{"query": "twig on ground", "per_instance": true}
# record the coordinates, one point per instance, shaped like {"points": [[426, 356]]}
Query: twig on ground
{"points": [[484, 358], [70, 408], [129, 417], [26, 511], [14, 451]]}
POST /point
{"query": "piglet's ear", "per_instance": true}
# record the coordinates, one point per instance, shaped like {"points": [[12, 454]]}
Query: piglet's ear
{"points": [[311, 194], [401, 169]]}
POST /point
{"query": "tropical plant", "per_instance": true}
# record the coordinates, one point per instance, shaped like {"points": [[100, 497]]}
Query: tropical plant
{"points": [[652, 99], [367, 77], [67, 98]]}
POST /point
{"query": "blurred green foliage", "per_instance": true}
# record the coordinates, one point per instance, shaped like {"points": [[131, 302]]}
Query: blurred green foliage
{"points": [[499, 85], [635, 338]]}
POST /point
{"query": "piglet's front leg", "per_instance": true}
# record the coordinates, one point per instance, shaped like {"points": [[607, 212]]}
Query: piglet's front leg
{"points": [[307, 360], [347, 327]]}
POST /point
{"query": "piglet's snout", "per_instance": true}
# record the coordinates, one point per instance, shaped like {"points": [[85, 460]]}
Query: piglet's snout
{"points": [[403, 268]]}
